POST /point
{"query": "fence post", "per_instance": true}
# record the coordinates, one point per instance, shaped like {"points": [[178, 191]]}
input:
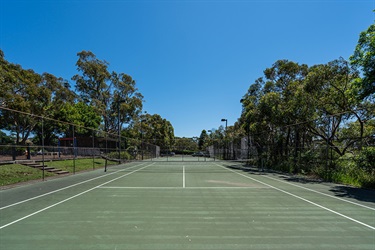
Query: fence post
{"points": [[43, 147], [28, 151], [59, 148], [327, 148], [14, 152], [93, 150], [74, 152]]}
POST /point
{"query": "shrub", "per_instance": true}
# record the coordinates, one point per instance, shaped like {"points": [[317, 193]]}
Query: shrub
{"points": [[124, 155], [366, 160], [357, 171]]}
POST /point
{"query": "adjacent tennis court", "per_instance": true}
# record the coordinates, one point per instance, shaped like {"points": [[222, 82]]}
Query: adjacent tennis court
{"points": [[205, 204]]}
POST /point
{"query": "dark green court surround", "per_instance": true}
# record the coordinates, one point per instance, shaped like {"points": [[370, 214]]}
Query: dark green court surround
{"points": [[185, 205]]}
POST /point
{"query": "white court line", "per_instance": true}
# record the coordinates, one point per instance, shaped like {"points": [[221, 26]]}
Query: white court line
{"points": [[79, 183], [109, 187], [312, 190], [72, 197], [301, 198]]}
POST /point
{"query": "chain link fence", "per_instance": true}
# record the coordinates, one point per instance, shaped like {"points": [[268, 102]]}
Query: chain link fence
{"points": [[304, 152], [39, 139]]}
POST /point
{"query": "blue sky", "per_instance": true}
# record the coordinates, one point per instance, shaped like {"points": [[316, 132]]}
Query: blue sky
{"points": [[192, 60]]}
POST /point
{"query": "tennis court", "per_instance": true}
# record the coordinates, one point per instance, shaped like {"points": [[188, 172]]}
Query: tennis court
{"points": [[190, 204]]}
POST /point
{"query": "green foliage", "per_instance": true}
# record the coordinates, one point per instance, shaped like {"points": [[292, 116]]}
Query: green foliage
{"points": [[31, 93], [114, 96], [80, 114], [124, 155], [21, 90], [92, 83], [4, 138], [303, 119], [364, 58], [366, 160], [152, 129], [185, 145], [202, 141], [349, 170]]}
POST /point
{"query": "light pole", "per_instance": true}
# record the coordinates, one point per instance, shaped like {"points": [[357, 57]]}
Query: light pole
{"points": [[226, 144], [226, 124]]}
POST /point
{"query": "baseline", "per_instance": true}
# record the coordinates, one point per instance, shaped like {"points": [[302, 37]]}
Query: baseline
{"points": [[114, 187]]}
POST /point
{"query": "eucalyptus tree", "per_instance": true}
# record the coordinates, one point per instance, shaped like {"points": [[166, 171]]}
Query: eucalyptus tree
{"points": [[364, 58], [202, 141], [284, 78], [60, 95], [126, 103], [113, 95], [270, 107], [185, 145], [331, 97], [22, 90], [152, 129], [364, 87], [251, 118], [168, 131], [33, 96]]}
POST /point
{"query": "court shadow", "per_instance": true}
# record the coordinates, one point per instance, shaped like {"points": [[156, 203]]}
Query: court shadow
{"points": [[342, 191], [360, 194], [247, 169], [303, 180]]}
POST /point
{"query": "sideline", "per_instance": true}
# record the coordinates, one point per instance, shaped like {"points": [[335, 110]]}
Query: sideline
{"points": [[328, 195], [301, 198], [312, 190], [73, 185], [72, 197]]}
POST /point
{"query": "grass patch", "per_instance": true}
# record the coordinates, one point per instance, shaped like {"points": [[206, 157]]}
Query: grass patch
{"points": [[16, 173], [80, 164]]}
